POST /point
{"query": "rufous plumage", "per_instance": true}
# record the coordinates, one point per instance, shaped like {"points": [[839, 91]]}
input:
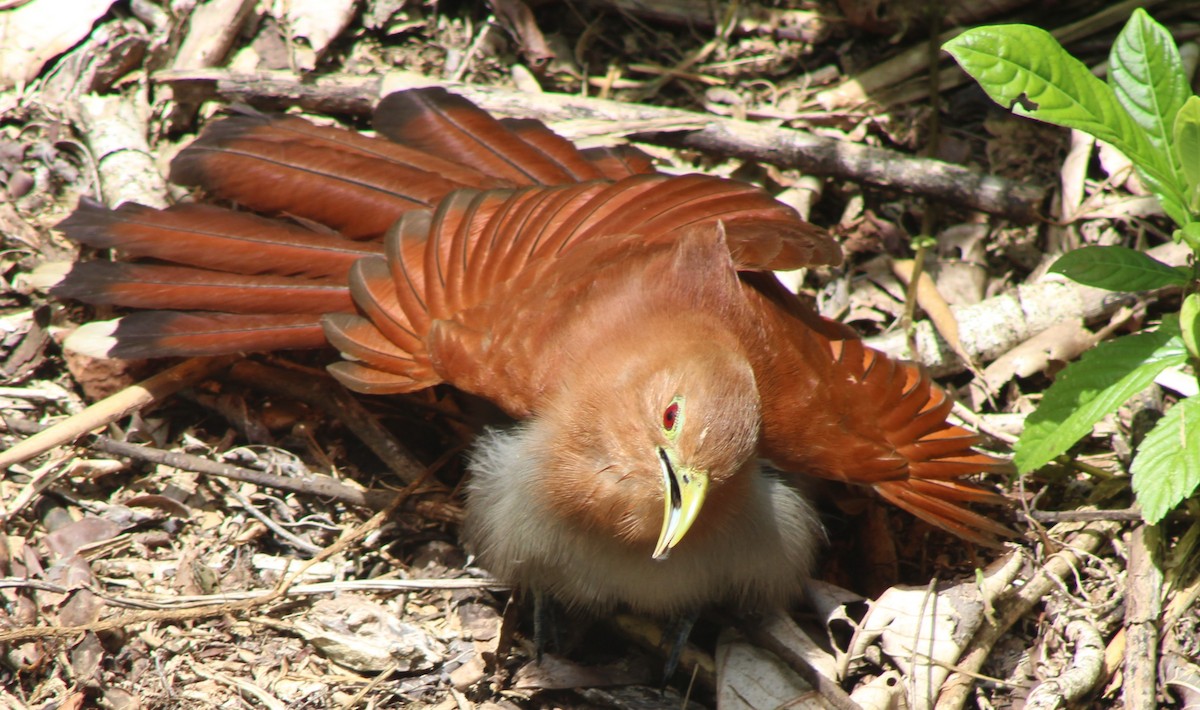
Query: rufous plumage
{"points": [[627, 320]]}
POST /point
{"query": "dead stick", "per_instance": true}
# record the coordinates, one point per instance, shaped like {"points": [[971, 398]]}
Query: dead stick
{"points": [[131, 619], [784, 147], [336, 401], [958, 687], [309, 484], [1143, 614], [112, 408]]}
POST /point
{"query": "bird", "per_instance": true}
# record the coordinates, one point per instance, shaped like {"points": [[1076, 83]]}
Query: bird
{"points": [[670, 397]]}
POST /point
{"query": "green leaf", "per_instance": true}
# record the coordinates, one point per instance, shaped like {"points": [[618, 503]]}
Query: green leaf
{"points": [[1166, 468], [1148, 77], [1186, 132], [1189, 323], [1189, 233], [1173, 205], [1117, 269], [1092, 388], [1024, 69]]}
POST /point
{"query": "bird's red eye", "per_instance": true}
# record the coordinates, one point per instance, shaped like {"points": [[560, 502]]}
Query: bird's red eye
{"points": [[670, 416]]}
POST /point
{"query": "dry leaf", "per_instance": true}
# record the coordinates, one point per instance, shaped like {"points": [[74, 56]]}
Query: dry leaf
{"points": [[931, 301], [35, 31], [883, 692], [923, 632], [1073, 175], [364, 636], [518, 18], [557, 673], [1062, 342], [69, 539], [85, 659], [318, 21], [749, 677]]}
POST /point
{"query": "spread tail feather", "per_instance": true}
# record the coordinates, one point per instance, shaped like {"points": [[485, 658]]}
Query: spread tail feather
{"points": [[210, 237], [448, 125], [283, 165], [173, 334], [360, 185], [619, 162], [937, 453], [152, 286], [939, 503], [265, 281], [521, 151]]}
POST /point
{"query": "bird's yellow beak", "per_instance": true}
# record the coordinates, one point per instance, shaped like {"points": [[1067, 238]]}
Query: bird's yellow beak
{"points": [[684, 490]]}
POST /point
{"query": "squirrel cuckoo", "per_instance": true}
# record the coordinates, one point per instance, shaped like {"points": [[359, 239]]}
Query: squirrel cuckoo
{"points": [[627, 319]]}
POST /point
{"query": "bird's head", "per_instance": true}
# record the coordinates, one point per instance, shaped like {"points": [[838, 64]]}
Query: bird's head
{"points": [[651, 435]]}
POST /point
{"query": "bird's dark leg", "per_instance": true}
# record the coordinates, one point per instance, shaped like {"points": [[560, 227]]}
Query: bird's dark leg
{"points": [[545, 625], [675, 637]]}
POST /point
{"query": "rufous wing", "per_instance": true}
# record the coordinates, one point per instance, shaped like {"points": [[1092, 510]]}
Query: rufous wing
{"points": [[415, 244], [837, 409], [445, 164], [521, 152], [936, 453], [475, 245]]}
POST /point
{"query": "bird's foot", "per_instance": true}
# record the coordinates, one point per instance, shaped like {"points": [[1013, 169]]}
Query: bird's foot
{"points": [[675, 637], [545, 625]]}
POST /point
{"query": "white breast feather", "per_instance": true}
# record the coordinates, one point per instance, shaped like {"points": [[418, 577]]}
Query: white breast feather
{"points": [[758, 561]]}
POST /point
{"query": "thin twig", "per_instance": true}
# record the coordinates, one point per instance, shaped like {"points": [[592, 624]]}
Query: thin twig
{"points": [[112, 408], [286, 582], [338, 402], [294, 540], [312, 484], [1009, 611]]}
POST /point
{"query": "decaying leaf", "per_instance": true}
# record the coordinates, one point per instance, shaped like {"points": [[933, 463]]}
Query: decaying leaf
{"points": [[365, 636]]}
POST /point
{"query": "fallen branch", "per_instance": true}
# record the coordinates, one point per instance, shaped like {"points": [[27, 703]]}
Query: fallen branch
{"points": [[150, 601], [1013, 608], [112, 408], [749, 17], [783, 147], [1087, 516], [116, 127], [1079, 678], [996, 325], [1143, 614]]}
